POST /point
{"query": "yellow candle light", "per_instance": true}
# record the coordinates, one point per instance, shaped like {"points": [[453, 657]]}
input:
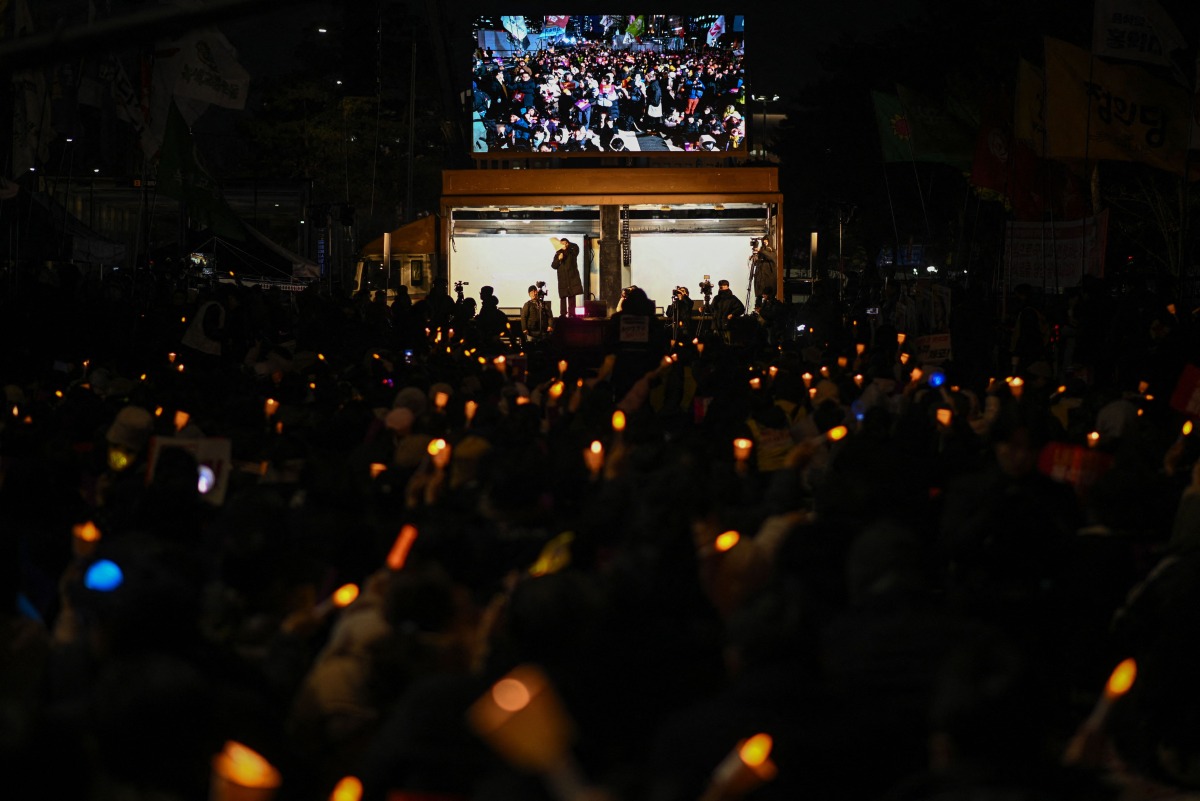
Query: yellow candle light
{"points": [[741, 449], [348, 788], [171, 358], [1187, 428], [858, 380], [842, 361], [179, 367], [181, 420], [1093, 439], [944, 416], [904, 358], [807, 379], [556, 390], [440, 399], [618, 421], [562, 367], [1171, 309], [1017, 386], [836, 433], [746, 767], [756, 383], [238, 768], [900, 337], [1142, 387], [378, 469], [270, 406], [398, 555], [593, 457], [859, 348], [439, 451], [522, 718], [772, 371], [824, 372], [916, 374], [1121, 679], [469, 410], [700, 348], [725, 542]]}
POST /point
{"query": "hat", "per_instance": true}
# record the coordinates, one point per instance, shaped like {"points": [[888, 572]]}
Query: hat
{"points": [[399, 420], [412, 399], [131, 429]]}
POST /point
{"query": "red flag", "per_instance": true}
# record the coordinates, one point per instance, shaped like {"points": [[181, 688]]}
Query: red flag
{"points": [[557, 21]]}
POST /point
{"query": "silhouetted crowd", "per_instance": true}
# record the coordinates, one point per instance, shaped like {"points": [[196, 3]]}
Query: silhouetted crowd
{"points": [[914, 577]]}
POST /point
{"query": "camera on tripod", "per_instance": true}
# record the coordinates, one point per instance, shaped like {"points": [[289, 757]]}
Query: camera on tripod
{"points": [[541, 289], [706, 287], [679, 292], [755, 242]]}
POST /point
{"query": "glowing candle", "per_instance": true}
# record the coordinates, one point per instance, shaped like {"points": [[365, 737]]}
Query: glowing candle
{"points": [[746, 767], [378, 469], [348, 788], [439, 451], [562, 368], [440, 399], [842, 361], [756, 383], [270, 406], [618, 421], [944, 416], [593, 457], [556, 390], [238, 768], [859, 348], [1142, 387], [858, 380], [469, 410], [772, 371], [836, 433], [1171, 309], [741, 449], [171, 358], [1093, 439], [916, 374], [900, 338], [181, 420], [523, 719], [807, 379], [726, 541], [1187, 428], [1017, 386], [824, 372], [398, 555], [1121, 679], [904, 358], [86, 535]]}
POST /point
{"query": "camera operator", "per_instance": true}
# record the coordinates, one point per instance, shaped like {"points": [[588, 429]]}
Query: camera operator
{"points": [[763, 266], [537, 317], [680, 312]]}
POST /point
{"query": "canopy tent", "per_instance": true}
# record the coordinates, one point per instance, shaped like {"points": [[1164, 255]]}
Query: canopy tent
{"points": [[419, 236], [36, 227], [257, 255]]}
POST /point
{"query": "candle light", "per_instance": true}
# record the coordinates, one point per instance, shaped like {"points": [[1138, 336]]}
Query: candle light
{"points": [[746, 767], [562, 368], [342, 597], [916, 374], [904, 358], [836, 433], [807, 379], [859, 348], [858, 380], [756, 383], [378, 469], [398, 555], [900, 337], [84, 539], [772, 371], [593, 457], [741, 449], [618, 421], [556, 390], [240, 774], [440, 399], [171, 358], [348, 788], [1093, 439], [944, 416], [500, 362], [842, 361], [1017, 386], [522, 718], [725, 542], [439, 451], [1187, 428], [469, 410], [270, 406], [824, 372], [1142, 387], [181, 420]]}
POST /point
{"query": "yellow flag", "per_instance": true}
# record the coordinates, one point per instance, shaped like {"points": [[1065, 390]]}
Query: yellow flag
{"points": [[1107, 112]]}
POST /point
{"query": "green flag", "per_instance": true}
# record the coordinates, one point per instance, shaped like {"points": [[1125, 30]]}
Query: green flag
{"points": [[895, 136], [937, 135], [181, 176]]}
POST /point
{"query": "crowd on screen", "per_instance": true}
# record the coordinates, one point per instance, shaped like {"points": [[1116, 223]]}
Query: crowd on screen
{"points": [[589, 96], [914, 578]]}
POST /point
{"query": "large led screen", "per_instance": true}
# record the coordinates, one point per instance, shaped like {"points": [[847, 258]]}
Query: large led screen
{"points": [[586, 85]]}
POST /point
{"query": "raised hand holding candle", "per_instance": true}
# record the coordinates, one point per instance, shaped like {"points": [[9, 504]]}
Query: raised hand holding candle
{"points": [[398, 555], [593, 457]]}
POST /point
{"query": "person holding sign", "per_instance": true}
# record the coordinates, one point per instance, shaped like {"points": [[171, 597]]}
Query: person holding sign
{"points": [[566, 266]]}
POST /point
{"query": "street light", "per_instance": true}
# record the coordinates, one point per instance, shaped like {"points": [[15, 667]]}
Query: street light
{"points": [[765, 100]]}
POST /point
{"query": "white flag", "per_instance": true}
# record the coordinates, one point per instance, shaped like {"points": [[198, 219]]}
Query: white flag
{"points": [[1136, 30], [714, 33], [208, 70]]}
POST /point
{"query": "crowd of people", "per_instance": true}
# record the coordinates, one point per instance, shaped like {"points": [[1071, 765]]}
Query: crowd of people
{"points": [[913, 578], [589, 97]]}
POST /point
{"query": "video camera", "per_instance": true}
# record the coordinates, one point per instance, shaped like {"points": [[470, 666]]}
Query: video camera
{"points": [[541, 289], [679, 292], [706, 287], [755, 242]]}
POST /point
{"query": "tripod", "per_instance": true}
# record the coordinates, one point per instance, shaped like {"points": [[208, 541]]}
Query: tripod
{"points": [[752, 267]]}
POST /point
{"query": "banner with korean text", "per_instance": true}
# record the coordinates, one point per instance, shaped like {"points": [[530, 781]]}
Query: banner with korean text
{"points": [[1034, 252]]}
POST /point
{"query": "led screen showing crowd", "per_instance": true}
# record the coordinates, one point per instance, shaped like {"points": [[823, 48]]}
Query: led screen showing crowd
{"points": [[589, 84]]}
